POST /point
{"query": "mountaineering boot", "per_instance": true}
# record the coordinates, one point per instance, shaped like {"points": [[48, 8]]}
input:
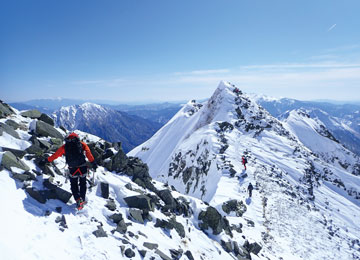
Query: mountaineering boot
{"points": [[80, 204]]}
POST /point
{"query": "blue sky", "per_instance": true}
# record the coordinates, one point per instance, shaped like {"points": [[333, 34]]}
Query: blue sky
{"points": [[157, 50]]}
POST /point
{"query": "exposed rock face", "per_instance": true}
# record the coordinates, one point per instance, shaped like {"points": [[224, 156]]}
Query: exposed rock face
{"points": [[45, 118], [213, 219], [137, 215], [17, 153], [12, 123], [10, 160], [104, 190], [5, 110], [236, 206], [140, 202], [44, 129], [9, 130], [119, 161], [34, 114], [167, 197], [100, 232]]}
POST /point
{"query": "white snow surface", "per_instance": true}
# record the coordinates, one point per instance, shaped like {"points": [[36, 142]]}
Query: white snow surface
{"points": [[306, 204]]}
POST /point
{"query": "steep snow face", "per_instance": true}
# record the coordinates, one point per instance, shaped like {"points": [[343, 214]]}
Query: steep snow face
{"points": [[314, 135], [303, 205]]}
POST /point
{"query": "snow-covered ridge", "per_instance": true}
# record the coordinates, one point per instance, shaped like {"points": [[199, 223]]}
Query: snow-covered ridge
{"points": [[298, 167]]}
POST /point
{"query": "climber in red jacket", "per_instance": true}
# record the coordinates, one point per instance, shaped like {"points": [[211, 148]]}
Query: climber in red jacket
{"points": [[74, 149]]}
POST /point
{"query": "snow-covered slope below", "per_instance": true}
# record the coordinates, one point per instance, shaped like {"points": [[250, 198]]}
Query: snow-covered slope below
{"points": [[304, 207]]}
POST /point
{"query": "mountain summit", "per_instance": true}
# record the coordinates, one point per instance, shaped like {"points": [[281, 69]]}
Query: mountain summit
{"points": [[305, 197]]}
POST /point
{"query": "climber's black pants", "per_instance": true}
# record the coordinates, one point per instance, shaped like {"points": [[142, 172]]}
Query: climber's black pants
{"points": [[78, 178]]}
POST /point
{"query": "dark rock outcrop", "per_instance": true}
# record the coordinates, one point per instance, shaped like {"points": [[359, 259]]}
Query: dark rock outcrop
{"points": [[40, 196], [45, 118], [140, 202], [100, 232], [234, 205], [104, 187], [150, 246], [213, 219]]}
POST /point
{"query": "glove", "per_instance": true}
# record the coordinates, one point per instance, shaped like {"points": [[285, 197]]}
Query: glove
{"points": [[94, 165]]}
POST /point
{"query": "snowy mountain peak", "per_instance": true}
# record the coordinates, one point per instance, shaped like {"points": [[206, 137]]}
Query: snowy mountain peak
{"points": [[297, 168]]}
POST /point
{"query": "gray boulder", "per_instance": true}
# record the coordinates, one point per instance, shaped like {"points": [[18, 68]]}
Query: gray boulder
{"points": [[34, 114], [234, 205], [37, 195], [136, 168], [213, 219], [12, 123], [171, 224], [150, 246], [104, 187], [9, 130], [100, 232], [129, 253], [119, 161], [162, 255], [136, 214], [167, 197], [111, 205], [17, 153], [140, 202], [5, 110], [44, 144], [44, 129], [10, 160], [116, 218], [24, 177], [121, 227], [62, 195], [34, 149], [189, 255], [45, 118], [61, 221]]}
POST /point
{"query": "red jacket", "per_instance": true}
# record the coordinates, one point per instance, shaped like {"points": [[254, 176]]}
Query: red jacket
{"points": [[61, 152]]}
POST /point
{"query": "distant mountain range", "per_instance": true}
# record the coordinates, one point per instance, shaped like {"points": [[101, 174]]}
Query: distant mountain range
{"points": [[343, 120], [156, 112], [109, 124]]}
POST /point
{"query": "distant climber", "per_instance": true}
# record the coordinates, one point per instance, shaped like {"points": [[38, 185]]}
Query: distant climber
{"points": [[74, 149], [250, 189], [244, 161]]}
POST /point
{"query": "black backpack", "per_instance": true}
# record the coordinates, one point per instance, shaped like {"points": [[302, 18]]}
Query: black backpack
{"points": [[74, 153]]}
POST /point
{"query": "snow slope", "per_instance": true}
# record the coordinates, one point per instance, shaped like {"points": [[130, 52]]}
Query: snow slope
{"points": [[304, 207]]}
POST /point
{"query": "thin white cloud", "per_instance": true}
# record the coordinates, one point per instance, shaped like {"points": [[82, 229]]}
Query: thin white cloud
{"points": [[331, 27]]}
